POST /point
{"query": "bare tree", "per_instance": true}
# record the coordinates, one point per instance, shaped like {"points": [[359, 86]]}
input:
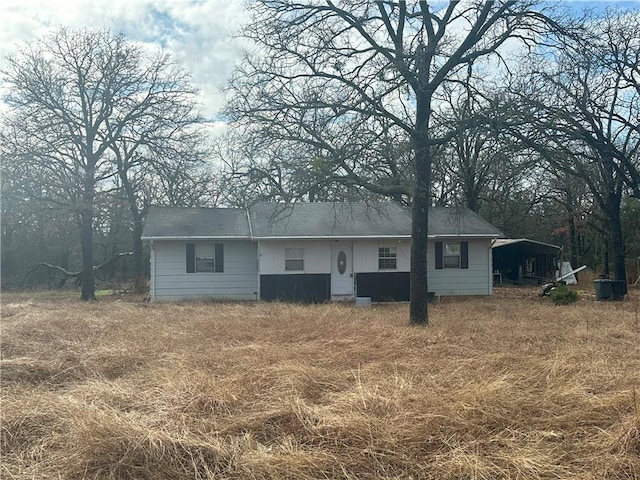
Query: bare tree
{"points": [[263, 167], [87, 106], [583, 111], [156, 147], [328, 69], [479, 160], [617, 42], [36, 225]]}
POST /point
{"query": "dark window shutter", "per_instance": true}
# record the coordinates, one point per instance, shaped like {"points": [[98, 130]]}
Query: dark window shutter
{"points": [[438, 255], [191, 257], [219, 261], [464, 254]]}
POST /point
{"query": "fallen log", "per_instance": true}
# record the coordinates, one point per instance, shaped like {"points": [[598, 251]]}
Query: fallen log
{"points": [[66, 275]]}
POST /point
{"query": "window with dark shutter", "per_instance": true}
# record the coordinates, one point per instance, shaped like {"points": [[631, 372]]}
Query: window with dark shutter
{"points": [[452, 255], [205, 258]]}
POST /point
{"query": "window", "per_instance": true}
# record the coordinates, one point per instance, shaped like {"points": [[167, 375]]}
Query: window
{"points": [[293, 259], [205, 257], [452, 255], [387, 258]]}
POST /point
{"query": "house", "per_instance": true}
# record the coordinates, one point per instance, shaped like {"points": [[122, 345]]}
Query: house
{"points": [[312, 252], [524, 261]]}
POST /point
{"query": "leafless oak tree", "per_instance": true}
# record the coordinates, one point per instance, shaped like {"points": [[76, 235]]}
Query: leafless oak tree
{"points": [[580, 107], [88, 107]]}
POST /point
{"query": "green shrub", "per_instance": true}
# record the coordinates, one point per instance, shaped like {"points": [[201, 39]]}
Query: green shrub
{"points": [[563, 295]]}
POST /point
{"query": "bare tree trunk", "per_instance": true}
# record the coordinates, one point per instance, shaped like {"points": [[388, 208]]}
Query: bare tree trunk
{"points": [[86, 242], [419, 218], [573, 244], [418, 314], [138, 267], [617, 244], [86, 238], [571, 220], [136, 215], [472, 200]]}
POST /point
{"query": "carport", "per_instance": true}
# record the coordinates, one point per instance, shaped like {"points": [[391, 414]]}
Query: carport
{"points": [[521, 261]]}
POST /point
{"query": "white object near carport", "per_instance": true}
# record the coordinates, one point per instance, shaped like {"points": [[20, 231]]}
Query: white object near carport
{"points": [[568, 275]]}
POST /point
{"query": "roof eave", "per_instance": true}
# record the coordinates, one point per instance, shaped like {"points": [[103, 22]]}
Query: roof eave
{"points": [[466, 235], [515, 241], [311, 237], [329, 237], [196, 237], [365, 237]]}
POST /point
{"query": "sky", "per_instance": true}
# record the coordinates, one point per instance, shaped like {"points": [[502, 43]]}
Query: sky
{"points": [[197, 32]]}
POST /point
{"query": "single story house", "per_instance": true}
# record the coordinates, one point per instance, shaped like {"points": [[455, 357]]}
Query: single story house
{"points": [[524, 261], [312, 252]]}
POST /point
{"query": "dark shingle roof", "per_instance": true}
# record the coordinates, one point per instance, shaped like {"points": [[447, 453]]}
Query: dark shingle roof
{"points": [[459, 221], [326, 219], [310, 220], [179, 222]]}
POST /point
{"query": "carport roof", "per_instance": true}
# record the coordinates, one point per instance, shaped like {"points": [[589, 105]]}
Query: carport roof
{"points": [[525, 243]]}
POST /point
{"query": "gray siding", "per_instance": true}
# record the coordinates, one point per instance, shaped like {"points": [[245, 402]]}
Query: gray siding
{"points": [[239, 281], [169, 281], [476, 280]]}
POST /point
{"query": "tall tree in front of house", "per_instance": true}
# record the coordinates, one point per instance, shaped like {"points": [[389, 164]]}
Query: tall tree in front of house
{"points": [[87, 107], [325, 72]]}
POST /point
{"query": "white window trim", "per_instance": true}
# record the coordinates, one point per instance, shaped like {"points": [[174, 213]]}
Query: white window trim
{"points": [[393, 255], [457, 255], [293, 254]]}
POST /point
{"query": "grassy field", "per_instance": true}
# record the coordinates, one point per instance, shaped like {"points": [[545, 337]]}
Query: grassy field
{"points": [[508, 387]]}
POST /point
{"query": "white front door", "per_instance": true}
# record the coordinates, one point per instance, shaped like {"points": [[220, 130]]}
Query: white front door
{"points": [[341, 271]]}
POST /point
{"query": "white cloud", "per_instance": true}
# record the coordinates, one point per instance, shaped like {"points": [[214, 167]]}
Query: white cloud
{"points": [[197, 32]]}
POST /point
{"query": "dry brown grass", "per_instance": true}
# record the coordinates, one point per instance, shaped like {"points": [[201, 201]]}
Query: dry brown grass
{"points": [[495, 388]]}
